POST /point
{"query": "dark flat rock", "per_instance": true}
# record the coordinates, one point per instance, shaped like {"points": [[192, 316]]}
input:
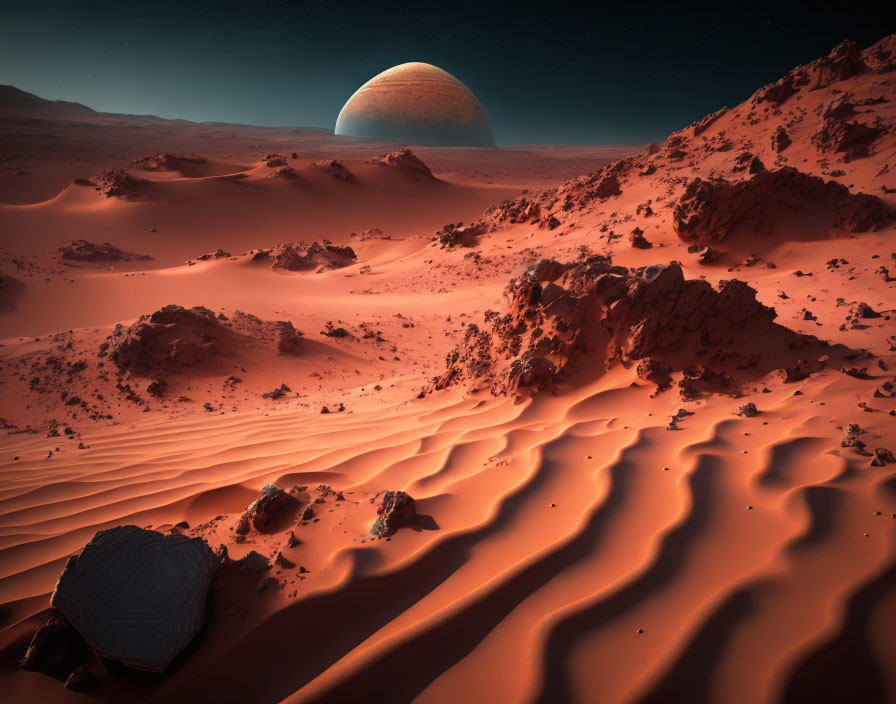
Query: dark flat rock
{"points": [[137, 596]]}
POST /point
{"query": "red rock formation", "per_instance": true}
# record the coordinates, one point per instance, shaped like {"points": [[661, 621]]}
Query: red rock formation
{"points": [[647, 314], [302, 257], [452, 235], [405, 160], [844, 61], [172, 334], [851, 137], [167, 162], [84, 251], [115, 183], [709, 210], [175, 336], [334, 168]]}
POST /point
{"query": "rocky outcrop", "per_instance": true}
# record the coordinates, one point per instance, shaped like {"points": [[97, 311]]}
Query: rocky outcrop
{"points": [[647, 315], [165, 161], [262, 512], [274, 161], [881, 57], [302, 257], [844, 61], [84, 251], [710, 209], [513, 212], [396, 510], [405, 160], [173, 334], [210, 256], [335, 168], [115, 183], [851, 138], [452, 236]]}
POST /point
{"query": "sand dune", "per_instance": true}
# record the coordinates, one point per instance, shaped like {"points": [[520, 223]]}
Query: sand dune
{"points": [[573, 541]]}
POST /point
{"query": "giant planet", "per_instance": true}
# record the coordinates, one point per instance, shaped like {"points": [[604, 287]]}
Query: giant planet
{"points": [[416, 103]]}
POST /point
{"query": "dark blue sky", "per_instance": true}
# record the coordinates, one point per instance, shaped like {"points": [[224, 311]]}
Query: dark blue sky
{"points": [[545, 71]]}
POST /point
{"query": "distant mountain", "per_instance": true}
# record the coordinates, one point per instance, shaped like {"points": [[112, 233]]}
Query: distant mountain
{"points": [[13, 100]]}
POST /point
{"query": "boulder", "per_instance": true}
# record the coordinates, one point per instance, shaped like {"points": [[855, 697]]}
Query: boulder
{"points": [[396, 510], [748, 410], [137, 596], [265, 509]]}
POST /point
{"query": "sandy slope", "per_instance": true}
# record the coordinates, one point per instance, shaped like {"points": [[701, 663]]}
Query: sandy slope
{"points": [[570, 547]]}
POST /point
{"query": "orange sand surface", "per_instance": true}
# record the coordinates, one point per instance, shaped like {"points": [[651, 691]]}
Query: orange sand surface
{"points": [[568, 547]]}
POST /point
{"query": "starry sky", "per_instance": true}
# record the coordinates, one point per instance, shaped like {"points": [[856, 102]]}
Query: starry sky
{"points": [[545, 71]]}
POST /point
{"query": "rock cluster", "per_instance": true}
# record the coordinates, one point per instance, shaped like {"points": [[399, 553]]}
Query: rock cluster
{"points": [[302, 257], [335, 168], [652, 315], [84, 251], [115, 183], [165, 161]]}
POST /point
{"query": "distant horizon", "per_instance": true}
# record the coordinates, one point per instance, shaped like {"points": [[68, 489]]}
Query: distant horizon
{"points": [[546, 73], [328, 130]]}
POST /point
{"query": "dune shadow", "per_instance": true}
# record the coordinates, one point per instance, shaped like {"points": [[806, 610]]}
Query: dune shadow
{"points": [[353, 613], [845, 668], [672, 554], [426, 522], [10, 293], [689, 679]]}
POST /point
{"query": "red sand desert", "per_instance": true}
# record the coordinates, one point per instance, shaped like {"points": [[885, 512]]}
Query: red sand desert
{"points": [[647, 414]]}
